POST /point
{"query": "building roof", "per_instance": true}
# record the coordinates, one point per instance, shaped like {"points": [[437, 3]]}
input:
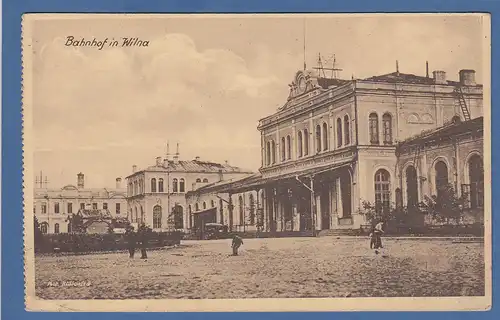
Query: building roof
{"points": [[194, 166], [226, 184], [396, 77], [452, 129]]}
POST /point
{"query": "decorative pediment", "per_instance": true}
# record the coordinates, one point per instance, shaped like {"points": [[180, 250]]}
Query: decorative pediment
{"points": [[304, 81]]}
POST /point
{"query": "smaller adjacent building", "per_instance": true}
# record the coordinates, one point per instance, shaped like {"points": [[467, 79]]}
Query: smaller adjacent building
{"points": [[53, 206], [450, 155]]}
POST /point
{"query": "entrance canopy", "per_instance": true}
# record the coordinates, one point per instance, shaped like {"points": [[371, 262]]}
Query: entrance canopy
{"points": [[260, 181]]}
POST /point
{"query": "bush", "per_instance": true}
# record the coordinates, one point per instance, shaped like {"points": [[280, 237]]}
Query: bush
{"points": [[84, 243]]}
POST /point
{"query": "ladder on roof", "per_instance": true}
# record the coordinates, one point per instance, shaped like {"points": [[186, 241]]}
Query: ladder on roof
{"points": [[461, 102]]}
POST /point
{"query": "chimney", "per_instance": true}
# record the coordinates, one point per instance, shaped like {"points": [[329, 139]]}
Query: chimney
{"points": [[134, 168], [439, 77], [118, 183], [221, 176], [427, 69], [158, 161], [467, 77], [176, 156], [80, 180]]}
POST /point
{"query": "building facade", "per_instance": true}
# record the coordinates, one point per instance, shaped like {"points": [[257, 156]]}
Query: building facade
{"points": [[156, 195], [332, 145], [53, 206], [452, 155]]}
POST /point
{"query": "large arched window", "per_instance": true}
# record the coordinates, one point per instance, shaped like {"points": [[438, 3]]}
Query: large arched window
{"points": [[44, 227], [136, 218], [198, 180], [178, 217], [325, 136], [273, 151], [196, 207], [387, 127], [373, 121], [156, 217], [205, 180], [160, 185], [135, 188], [283, 149], [268, 153], [339, 132], [153, 185], [411, 187], [347, 130], [175, 185], [182, 185], [441, 177], [476, 178], [204, 205], [288, 147], [241, 210], [56, 228], [382, 190], [252, 209], [318, 138], [306, 142], [299, 144]]}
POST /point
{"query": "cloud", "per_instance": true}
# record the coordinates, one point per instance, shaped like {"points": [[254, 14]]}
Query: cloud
{"points": [[137, 98]]}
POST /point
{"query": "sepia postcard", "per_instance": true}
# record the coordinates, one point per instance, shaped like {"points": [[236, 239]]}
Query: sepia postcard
{"points": [[257, 162]]}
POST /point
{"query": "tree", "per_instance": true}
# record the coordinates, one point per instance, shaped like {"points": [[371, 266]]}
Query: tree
{"points": [[376, 212], [38, 232], [76, 223], [446, 206]]}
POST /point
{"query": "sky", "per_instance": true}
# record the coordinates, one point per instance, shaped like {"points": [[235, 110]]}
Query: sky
{"points": [[205, 81]]}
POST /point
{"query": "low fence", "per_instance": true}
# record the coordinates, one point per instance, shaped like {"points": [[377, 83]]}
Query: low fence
{"points": [[447, 230], [85, 243]]}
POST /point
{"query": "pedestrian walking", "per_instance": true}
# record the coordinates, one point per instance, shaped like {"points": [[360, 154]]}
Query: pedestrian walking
{"points": [[378, 231], [236, 244], [144, 238], [131, 238]]}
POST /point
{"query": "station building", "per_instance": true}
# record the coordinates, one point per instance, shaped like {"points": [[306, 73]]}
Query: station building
{"points": [[332, 145]]}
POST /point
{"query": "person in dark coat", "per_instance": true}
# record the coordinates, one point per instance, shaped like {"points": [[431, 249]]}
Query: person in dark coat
{"points": [[143, 238], [237, 242], [130, 236], [378, 235]]}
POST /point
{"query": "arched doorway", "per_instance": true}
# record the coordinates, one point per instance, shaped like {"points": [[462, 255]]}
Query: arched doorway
{"points": [[476, 178], [441, 177], [411, 188], [345, 193], [178, 217], [157, 217]]}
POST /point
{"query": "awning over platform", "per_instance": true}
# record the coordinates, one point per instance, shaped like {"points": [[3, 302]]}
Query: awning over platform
{"points": [[206, 211], [257, 182]]}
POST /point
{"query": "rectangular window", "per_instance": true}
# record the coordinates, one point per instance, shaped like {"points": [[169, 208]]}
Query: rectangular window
{"points": [[70, 208], [105, 206], [117, 208], [56, 207], [94, 206], [82, 206], [44, 208]]}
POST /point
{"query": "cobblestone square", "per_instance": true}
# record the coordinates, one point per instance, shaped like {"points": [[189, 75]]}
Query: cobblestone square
{"points": [[270, 268]]}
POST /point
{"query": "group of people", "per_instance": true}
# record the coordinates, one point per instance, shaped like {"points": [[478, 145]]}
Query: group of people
{"points": [[140, 238]]}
